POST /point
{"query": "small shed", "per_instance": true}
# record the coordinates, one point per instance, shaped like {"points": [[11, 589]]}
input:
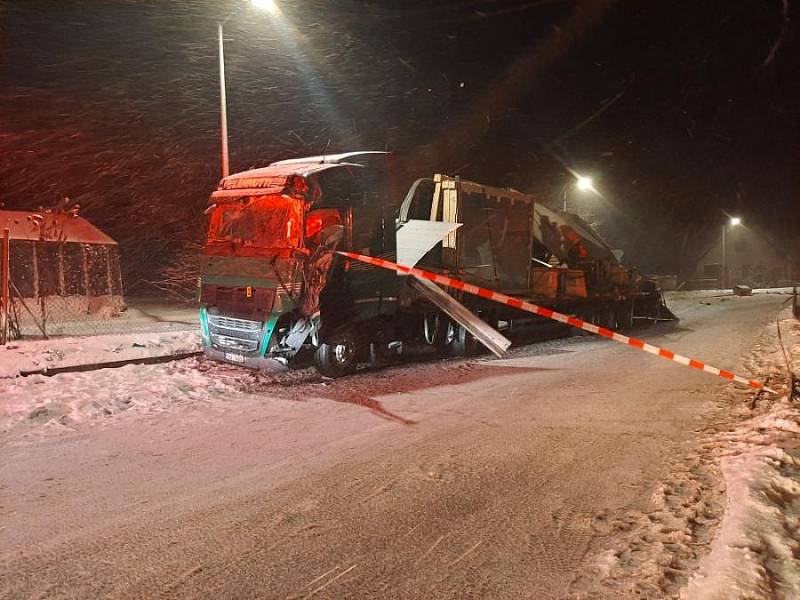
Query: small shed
{"points": [[62, 269]]}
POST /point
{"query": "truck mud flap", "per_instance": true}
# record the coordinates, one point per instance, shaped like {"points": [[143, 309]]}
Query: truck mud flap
{"points": [[487, 335]]}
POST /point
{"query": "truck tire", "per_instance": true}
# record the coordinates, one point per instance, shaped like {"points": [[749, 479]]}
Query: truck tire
{"points": [[464, 343], [339, 356], [624, 310]]}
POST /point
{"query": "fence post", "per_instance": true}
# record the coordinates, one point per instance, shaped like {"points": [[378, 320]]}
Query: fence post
{"points": [[5, 298]]}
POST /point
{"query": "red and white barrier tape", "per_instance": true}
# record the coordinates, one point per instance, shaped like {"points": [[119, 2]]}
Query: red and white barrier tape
{"points": [[556, 316]]}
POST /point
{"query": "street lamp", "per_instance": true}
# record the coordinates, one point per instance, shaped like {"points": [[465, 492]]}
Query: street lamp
{"points": [[732, 222], [583, 183], [267, 6]]}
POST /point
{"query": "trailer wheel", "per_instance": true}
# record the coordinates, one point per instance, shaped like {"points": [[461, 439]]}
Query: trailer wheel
{"points": [[608, 316], [464, 343], [624, 310], [340, 356], [437, 329], [588, 314]]}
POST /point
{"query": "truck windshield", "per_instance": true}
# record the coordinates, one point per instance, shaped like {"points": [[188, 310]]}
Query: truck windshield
{"points": [[272, 221]]}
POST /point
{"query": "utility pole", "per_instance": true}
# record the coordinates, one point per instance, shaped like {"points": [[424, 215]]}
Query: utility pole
{"points": [[5, 298], [724, 263], [223, 105]]}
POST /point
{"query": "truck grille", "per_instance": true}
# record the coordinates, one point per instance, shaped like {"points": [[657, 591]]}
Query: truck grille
{"points": [[229, 333]]}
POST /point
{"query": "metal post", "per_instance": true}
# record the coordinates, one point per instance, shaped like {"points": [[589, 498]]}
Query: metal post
{"points": [[5, 298], [724, 263], [223, 108], [564, 193]]}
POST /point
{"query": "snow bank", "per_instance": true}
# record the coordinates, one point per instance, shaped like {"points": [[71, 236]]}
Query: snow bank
{"points": [[31, 355], [725, 523], [38, 406], [756, 551], [754, 554]]}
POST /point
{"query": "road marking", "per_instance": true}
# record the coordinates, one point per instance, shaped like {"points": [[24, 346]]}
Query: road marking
{"points": [[556, 316]]}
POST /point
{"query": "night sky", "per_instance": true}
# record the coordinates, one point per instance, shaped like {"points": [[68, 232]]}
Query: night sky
{"points": [[681, 110]]}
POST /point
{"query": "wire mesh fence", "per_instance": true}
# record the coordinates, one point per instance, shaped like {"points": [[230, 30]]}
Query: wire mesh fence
{"points": [[79, 316], [63, 278], [58, 289]]}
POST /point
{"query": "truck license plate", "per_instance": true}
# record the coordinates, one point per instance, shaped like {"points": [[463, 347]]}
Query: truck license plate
{"points": [[238, 358]]}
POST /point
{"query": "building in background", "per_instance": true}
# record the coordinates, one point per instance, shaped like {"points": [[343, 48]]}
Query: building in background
{"points": [[751, 258]]}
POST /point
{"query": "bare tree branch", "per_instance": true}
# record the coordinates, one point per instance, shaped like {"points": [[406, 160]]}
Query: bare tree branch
{"points": [[603, 108], [784, 28]]}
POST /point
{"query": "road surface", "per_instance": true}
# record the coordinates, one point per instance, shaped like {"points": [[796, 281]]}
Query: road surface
{"points": [[451, 479]]}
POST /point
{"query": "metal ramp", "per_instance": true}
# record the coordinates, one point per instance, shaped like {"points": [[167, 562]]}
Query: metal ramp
{"points": [[487, 335]]}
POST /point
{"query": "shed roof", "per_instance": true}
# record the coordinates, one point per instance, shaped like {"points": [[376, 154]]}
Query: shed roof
{"points": [[24, 225]]}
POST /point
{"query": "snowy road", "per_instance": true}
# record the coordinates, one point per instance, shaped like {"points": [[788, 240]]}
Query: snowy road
{"points": [[451, 479]]}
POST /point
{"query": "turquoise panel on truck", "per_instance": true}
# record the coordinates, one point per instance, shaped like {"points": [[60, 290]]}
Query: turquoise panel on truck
{"points": [[243, 301]]}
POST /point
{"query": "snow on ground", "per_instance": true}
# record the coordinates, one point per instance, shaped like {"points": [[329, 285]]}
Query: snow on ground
{"points": [[725, 525], [38, 406], [756, 552], [31, 355], [700, 294], [722, 525]]}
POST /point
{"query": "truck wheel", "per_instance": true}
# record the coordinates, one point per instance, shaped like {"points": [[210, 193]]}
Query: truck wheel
{"points": [[464, 343], [340, 356]]}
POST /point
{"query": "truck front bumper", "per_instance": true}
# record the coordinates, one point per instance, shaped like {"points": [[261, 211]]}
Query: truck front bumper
{"points": [[261, 363]]}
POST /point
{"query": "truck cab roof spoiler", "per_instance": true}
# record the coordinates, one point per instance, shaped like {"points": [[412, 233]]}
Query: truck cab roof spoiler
{"points": [[269, 180], [362, 158]]}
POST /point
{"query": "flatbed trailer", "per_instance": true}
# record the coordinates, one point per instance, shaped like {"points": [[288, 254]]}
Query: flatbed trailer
{"points": [[510, 243]]}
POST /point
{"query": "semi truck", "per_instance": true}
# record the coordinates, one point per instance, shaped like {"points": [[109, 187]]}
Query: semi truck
{"points": [[271, 283]]}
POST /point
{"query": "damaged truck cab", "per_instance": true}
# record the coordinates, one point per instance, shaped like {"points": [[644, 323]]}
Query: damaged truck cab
{"points": [[266, 260]]}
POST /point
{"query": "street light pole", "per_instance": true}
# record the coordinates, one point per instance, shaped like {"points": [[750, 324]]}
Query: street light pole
{"points": [[268, 6], [223, 107], [724, 264], [734, 221]]}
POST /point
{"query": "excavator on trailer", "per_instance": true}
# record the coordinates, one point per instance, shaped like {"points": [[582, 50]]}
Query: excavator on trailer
{"points": [[271, 283]]}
